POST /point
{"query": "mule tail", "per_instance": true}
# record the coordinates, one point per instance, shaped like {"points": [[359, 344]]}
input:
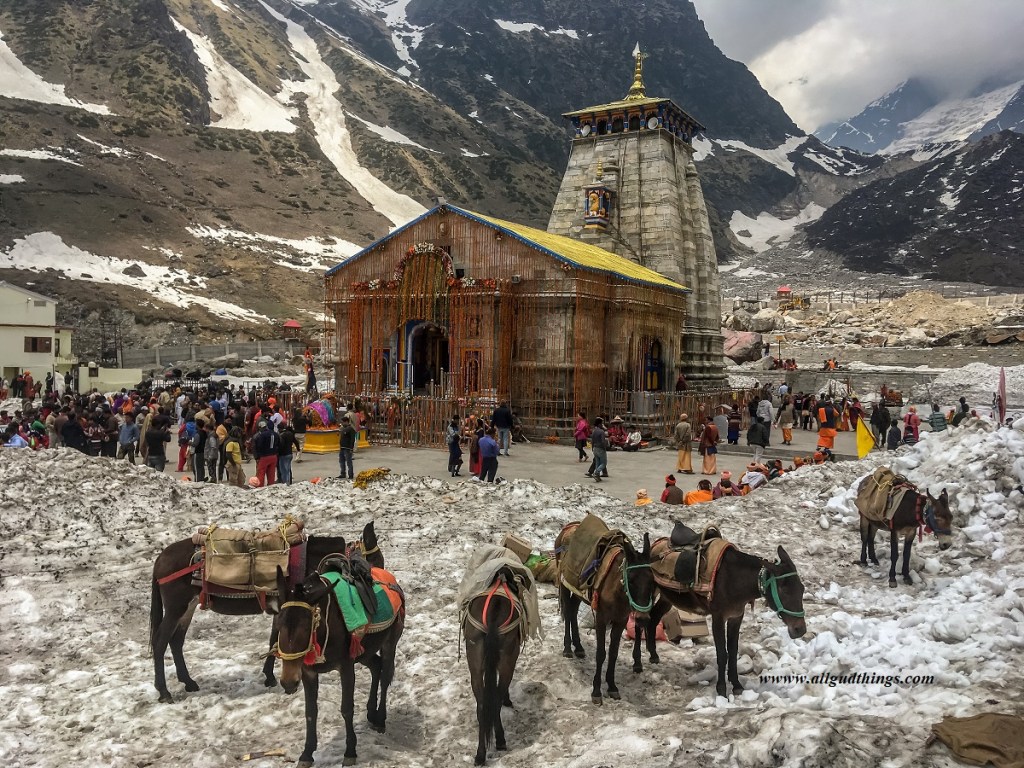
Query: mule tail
{"points": [[491, 708], [156, 612]]}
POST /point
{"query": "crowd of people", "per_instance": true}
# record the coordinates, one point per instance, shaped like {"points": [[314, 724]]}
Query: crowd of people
{"points": [[485, 439], [216, 429]]}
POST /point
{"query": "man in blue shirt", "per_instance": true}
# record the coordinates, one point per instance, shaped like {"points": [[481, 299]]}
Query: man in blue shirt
{"points": [[488, 456]]}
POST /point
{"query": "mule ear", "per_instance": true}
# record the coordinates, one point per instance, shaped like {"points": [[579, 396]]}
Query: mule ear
{"points": [[783, 556], [647, 545], [369, 536], [944, 495]]}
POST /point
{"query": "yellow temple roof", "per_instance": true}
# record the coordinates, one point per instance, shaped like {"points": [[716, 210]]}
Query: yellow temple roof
{"points": [[579, 253]]}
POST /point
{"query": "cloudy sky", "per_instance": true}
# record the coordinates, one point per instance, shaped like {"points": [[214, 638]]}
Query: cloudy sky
{"points": [[825, 59]]}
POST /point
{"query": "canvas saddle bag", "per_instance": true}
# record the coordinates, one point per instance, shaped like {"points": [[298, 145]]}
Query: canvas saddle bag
{"points": [[246, 560], [879, 495]]}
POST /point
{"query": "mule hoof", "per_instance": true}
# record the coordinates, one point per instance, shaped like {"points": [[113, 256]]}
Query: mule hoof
{"points": [[614, 695], [874, 562], [502, 747], [579, 653], [861, 563], [656, 659], [192, 685], [720, 690], [166, 698], [508, 703], [892, 583], [597, 700], [737, 689], [479, 759], [908, 581], [270, 682], [638, 668], [378, 727], [304, 764], [345, 761], [567, 653]]}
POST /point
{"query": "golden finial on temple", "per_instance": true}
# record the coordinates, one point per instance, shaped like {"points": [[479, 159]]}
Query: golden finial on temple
{"points": [[636, 90], [600, 169]]}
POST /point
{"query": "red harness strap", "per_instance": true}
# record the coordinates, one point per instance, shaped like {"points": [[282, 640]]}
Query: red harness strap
{"points": [[178, 574], [511, 603]]}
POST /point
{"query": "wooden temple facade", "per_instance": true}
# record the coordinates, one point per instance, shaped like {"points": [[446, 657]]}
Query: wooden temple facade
{"points": [[463, 306]]}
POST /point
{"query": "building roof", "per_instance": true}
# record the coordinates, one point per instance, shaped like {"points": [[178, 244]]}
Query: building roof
{"points": [[565, 249], [27, 292]]}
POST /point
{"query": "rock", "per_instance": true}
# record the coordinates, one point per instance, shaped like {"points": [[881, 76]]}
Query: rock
{"points": [[738, 320], [742, 346], [841, 318], [225, 361], [134, 271], [766, 320]]}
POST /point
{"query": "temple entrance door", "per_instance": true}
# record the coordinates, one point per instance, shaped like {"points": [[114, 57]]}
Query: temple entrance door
{"points": [[654, 367], [429, 344]]}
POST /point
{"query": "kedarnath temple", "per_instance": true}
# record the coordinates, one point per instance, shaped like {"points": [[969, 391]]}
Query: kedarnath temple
{"points": [[610, 304]]}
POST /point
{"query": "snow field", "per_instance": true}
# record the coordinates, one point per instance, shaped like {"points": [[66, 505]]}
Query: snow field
{"points": [[79, 536]]}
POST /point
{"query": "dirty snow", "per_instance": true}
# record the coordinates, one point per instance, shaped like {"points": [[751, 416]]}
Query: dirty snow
{"points": [[767, 230], [60, 154], [315, 254], [76, 591], [978, 382], [44, 251], [240, 103], [389, 134], [19, 82], [328, 118], [11, 178]]}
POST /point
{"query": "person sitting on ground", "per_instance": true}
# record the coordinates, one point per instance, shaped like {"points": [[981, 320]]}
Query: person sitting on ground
{"points": [[726, 487], [699, 496], [753, 478], [775, 470], [642, 499], [634, 441], [617, 434], [894, 438], [672, 494]]}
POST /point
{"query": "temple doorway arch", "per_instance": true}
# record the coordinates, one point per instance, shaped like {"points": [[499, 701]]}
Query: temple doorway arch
{"points": [[429, 354]]}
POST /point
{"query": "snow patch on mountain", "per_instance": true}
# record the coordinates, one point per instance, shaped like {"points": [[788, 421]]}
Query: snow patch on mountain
{"points": [[50, 153], [953, 119], [19, 82], [46, 251], [767, 230], [11, 178], [527, 27], [328, 118], [405, 36], [390, 134], [779, 156], [315, 254], [241, 104]]}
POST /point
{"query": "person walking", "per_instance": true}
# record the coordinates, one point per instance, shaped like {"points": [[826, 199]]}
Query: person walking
{"points": [[785, 419], [581, 434], [708, 447], [264, 450], [733, 425], [285, 453], [453, 438], [501, 420], [758, 438], [211, 453], [347, 448], [489, 452], [599, 446], [683, 434]]}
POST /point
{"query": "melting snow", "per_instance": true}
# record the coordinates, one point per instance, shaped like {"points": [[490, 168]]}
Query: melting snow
{"points": [[19, 82], [405, 36], [75, 594], [390, 134], [315, 249], [13, 178], [526, 27], [767, 230], [779, 157], [44, 251], [702, 147], [241, 104], [42, 154], [466, 153], [104, 149], [328, 118]]}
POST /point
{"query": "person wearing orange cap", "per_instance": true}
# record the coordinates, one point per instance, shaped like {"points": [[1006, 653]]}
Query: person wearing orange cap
{"points": [[699, 496], [672, 494], [726, 487], [642, 499]]}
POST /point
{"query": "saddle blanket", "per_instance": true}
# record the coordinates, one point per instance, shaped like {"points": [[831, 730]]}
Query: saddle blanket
{"points": [[588, 546], [247, 560], [390, 601], [687, 569], [880, 495], [483, 567]]}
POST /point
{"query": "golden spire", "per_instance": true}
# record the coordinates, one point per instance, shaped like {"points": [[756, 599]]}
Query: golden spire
{"points": [[600, 169], [636, 90]]}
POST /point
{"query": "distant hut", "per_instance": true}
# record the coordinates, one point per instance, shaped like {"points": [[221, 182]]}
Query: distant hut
{"points": [[784, 292], [291, 329]]}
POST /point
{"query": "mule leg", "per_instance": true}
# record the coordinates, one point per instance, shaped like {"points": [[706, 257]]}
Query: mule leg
{"points": [[387, 674], [894, 554], [348, 692], [657, 614], [268, 664], [908, 544], [310, 691], [721, 651], [639, 634], [872, 530], [613, 654], [601, 629], [475, 658], [177, 644], [509, 657], [564, 598], [733, 643], [577, 646], [372, 711], [865, 530], [161, 637]]}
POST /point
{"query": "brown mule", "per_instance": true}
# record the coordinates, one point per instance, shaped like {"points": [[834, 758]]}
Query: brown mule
{"points": [[174, 602]]}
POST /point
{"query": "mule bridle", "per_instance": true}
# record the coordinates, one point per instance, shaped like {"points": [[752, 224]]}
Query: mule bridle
{"points": [[768, 586], [625, 586], [314, 611]]}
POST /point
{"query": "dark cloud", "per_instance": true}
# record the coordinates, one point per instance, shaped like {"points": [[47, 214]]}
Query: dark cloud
{"points": [[825, 59]]}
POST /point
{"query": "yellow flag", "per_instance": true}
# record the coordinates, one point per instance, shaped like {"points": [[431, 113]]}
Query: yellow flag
{"points": [[865, 440]]}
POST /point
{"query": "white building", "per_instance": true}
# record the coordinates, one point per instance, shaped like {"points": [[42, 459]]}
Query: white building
{"points": [[30, 339]]}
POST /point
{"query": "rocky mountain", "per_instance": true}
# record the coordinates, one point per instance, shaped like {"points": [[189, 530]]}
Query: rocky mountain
{"points": [[957, 217], [913, 118]]}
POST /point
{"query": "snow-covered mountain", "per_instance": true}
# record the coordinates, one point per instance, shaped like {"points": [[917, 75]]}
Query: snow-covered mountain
{"points": [[911, 118]]}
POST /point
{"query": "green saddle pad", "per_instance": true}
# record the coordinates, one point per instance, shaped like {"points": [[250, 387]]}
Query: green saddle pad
{"points": [[351, 606]]}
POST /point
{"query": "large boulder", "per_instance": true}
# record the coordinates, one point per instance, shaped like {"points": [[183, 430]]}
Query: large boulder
{"points": [[766, 320], [738, 321], [742, 346], [226, 361]]}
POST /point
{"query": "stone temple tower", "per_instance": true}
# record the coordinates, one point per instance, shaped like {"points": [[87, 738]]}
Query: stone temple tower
{"points": [[631, 187]]}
